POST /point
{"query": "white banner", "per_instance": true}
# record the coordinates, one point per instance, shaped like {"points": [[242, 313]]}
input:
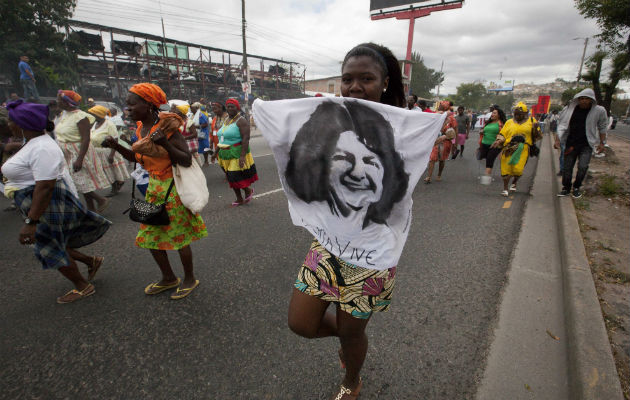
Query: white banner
{"points": [[348, 168]]}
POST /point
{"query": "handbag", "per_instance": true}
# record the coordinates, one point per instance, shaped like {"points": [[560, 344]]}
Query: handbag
{"points": [[148, 213], [147, 147], [191, 185]]}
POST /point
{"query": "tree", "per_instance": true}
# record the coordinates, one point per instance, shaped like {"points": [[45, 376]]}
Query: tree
{"points": [[423, 78], [32, 27], [471, 95], [613, 18]]}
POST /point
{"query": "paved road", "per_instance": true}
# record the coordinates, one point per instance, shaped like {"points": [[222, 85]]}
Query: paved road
{"points": [[622, 130], [229, 339]]}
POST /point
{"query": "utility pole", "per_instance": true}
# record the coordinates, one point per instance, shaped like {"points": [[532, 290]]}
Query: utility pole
{"points": [[246, 88], [439, 83], [582, 62]]}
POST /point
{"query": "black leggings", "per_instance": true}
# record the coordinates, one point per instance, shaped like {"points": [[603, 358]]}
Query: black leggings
{"points": [[489, 154]]}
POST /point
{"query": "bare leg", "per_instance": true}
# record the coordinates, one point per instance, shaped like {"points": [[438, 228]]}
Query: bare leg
{"points": [[89, 201], [185, 255], [237, 192], [71, 272], [488, 171], [515, 179], [161, 258], [440, 168], [430, 170], [308, 317], [506, 181], [77, 255], [354, 343]]}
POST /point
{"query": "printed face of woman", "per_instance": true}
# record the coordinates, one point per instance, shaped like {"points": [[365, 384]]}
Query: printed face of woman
{"points": [[356, 172]]}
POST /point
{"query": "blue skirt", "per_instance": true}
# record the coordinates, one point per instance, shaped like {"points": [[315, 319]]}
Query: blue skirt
{"points": [[65, 223]]}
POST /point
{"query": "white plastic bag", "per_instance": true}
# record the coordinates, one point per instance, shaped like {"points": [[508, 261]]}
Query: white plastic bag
{"points": [[191, 186]]}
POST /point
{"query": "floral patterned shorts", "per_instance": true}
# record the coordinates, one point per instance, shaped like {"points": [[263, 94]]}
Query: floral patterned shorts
{"points": [[358, 291]]}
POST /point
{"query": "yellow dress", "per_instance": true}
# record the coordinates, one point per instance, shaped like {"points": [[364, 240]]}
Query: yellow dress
{"points": [[510, 130]]}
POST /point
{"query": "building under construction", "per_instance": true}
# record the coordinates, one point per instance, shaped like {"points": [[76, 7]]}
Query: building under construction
{"points": [[117, 59]]}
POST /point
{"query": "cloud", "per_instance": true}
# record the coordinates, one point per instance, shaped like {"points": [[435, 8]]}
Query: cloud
{"points": [[527, 41]]}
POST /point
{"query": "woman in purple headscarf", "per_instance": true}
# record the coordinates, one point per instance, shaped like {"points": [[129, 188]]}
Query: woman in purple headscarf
{"points": [[56, 223]]}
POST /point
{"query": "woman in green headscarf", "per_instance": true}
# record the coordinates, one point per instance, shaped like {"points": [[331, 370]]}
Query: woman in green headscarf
{"points": [[516, 137]]}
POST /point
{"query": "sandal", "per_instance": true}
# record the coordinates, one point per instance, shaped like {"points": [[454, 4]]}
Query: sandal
{"points": [[438, 178], [236, 203], [75, 295], [249, 198], [505, 193], [154, 288], [513, 187], [346, 394], [96, 264], [181, 293], [427, 180]]}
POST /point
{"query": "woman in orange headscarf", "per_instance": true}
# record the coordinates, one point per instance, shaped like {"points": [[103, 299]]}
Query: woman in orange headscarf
{"points": [[72, 132], [442, 148], [143, 102]]}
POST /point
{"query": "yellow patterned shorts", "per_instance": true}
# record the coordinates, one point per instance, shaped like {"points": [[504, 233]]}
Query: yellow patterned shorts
{"points": [[358, 291]]}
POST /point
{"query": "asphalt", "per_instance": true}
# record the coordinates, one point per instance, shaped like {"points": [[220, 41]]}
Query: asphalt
{"points": [[550, 341], [229, 339]]}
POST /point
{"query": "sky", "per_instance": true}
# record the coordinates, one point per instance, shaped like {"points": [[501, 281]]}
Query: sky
{"points": [[529, 41]]}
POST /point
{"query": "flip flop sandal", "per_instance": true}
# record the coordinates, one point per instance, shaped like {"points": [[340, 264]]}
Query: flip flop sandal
{"points": [[236, 204], [505, 193], [154, 288], [427, 180], [249, 198], [93, 269], [438, 178], [181, 293], [346, 394], [75, 295], [513, 188]]}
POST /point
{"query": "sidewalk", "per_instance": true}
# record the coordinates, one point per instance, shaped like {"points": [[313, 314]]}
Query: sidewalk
{"points": [[550, 341]]}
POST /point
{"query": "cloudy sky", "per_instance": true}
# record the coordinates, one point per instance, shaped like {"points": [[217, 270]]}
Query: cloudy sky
{"points": [[528, 41]]}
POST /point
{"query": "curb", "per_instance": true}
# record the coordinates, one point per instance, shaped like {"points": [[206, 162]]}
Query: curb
{"points": [[592, 371]]}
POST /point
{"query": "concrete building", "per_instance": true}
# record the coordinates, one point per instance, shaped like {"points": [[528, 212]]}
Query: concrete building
{"points": [[326, 86]]}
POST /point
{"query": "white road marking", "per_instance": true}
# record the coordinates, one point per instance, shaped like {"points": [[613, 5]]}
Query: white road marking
{"points": [[256, 196]]}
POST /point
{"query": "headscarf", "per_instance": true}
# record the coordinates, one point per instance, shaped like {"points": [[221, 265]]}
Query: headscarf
{"points": [[150, 93], [70, 97], [233, 101], [183, 108], [445, 105], [522, 106], [28, 116], [100, 111]]}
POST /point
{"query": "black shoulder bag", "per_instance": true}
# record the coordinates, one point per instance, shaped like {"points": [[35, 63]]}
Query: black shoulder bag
{"points": [[148, 213]]}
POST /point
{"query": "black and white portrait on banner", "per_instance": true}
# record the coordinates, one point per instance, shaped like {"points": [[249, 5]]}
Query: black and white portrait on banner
{"points": [[348, 168]]}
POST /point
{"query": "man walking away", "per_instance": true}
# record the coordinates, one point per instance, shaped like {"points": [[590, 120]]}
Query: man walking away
{"points": [[463, 129], [27, 79], [578, 129]]}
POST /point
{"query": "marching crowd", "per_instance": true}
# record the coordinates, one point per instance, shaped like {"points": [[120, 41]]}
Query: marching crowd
{"points": [[51, 154]]}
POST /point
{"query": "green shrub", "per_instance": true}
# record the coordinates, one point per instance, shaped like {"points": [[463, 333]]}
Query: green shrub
{"points": [[608, 186]]}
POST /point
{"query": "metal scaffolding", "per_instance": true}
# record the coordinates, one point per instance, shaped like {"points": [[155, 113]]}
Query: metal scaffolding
{"points": [[184, 70]]}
